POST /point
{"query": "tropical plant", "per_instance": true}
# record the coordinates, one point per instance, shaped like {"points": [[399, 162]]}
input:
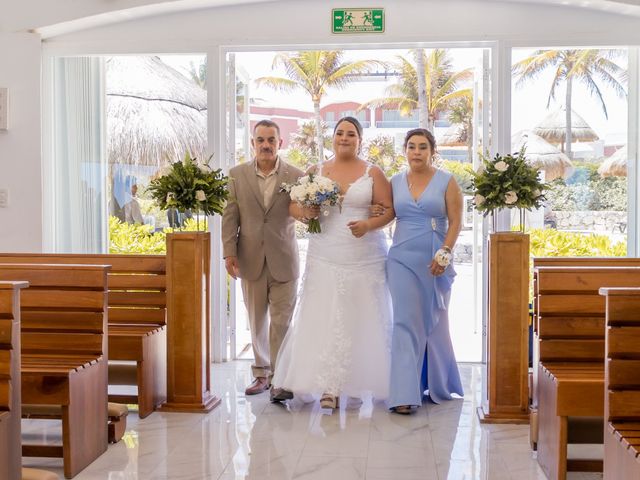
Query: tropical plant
{"points": [[587, 66], [127, 238], [315, 71], [189, 185], [381, 151], [461, 171], [507, 181], [198, 73], [461, 113], [306, 140], [550, 242], [441, 86]]}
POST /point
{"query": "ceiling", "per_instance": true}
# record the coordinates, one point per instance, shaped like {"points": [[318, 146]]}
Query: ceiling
{"points": [[51, 19]]}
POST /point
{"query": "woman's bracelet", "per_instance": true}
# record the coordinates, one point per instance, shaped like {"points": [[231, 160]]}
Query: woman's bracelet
{"points": [[443, 258]]}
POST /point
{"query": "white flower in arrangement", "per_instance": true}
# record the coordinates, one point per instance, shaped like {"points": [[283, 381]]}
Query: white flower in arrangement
{"points": [[536, 193], [501, 166], [510, 197], [479, 200], [204, 168], [200, 195]]}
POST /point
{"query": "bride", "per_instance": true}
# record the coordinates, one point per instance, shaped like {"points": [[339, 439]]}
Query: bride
{"points": [[340, 340]]}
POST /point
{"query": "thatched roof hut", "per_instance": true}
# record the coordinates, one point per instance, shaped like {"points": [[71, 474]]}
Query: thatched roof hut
{"points": [[616, 164], [154, 113], [553, 127], [542, 155], [454, 136]]}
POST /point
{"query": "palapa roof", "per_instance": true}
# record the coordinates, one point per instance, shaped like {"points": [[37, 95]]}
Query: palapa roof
{"points": [[154, 113], [453, 136], [542, 154], [553, 127], [616, 164]]}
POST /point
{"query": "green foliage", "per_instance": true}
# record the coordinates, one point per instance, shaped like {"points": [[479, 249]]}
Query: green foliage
{"points": [[188, 185], [555, 243], [507, 182], [141, 239], [596, 193], [129, 238], [298, 157], [461, 171], [381, 152]]}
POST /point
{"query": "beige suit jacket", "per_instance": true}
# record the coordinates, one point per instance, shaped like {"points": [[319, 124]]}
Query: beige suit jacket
{"points": [[255, 233]]}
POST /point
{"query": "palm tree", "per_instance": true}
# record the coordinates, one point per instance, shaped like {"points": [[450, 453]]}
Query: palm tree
{"points": [[461, 112], [314, 71], [585, 66], [198, 74], [441, 86], [306, 140]]}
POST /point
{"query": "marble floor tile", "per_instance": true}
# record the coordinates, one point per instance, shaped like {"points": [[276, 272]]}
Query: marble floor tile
{"points": [[248, 437]]}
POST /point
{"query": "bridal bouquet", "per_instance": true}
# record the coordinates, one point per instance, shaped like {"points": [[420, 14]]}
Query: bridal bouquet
{"points": [[313, 190]]}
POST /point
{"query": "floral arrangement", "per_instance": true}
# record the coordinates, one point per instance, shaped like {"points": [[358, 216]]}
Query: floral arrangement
{"points": [[189, 185], [314, 190], [507, 182]]}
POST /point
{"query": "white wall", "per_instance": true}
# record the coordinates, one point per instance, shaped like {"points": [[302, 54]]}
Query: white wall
{"points": [[267, 24], [20, 172], [309, 22]]}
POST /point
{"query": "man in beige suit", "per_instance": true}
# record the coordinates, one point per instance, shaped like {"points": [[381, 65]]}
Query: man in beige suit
{"points": [[259, 247]]}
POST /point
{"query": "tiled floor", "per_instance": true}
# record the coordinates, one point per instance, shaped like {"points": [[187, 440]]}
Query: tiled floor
{"points": [[248, 437]]}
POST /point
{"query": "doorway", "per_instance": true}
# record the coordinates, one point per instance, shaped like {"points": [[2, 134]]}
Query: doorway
{"points": [[259, 86]]}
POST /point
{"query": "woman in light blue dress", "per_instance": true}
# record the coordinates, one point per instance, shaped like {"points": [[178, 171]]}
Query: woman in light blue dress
{"points": [[428, 207]]}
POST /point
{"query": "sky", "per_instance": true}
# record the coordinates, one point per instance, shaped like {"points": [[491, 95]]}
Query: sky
{"points": [[529, 103]]}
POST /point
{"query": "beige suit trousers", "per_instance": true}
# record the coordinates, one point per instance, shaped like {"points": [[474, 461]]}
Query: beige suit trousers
{"points": [[270, 305]]}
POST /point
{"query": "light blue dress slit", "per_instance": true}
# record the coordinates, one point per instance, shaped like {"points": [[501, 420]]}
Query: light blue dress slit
{"points": [[422, 355]]}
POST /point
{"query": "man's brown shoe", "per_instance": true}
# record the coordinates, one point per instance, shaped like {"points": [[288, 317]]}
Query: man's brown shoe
{"points": [[259, 385]]}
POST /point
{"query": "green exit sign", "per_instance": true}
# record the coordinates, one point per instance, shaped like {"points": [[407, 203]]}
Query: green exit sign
{"points": [[357, 20]]}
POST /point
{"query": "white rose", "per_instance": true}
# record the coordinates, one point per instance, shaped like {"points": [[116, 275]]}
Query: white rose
{"points": [[479, 199], [501, 166], [536, 193], [304, 179], [204, 168], [200, 195], [510, 197]]}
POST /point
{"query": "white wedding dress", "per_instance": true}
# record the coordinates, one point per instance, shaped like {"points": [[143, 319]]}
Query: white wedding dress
{"points": [[339, 341]]}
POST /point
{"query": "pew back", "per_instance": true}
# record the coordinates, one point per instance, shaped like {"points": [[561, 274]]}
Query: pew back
{"points": [[137, 283], [622, 383], [10, 454]]}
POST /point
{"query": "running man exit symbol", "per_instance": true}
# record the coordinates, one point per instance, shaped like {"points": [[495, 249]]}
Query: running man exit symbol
{"points": [[357, 20]]}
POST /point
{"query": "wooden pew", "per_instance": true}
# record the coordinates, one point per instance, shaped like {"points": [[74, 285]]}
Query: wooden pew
{"points": [[137, 321], [10, 454], [64, 356], [560, 262], [622, 379], [570, 369]]}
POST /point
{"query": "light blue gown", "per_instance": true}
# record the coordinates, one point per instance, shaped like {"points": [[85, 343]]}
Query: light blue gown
{"points": [[421, 352]]}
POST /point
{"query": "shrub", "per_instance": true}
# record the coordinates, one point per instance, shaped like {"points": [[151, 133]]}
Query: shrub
{"points": [[462, 172], [127, 238]]}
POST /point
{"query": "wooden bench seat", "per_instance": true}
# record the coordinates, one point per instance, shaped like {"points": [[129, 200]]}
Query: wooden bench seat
{"points": [[622, 384], [137, 321], [569, 373], [64, 361]]}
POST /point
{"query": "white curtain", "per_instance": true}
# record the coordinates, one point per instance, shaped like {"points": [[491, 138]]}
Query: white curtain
{"points": [[79, 208]]}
